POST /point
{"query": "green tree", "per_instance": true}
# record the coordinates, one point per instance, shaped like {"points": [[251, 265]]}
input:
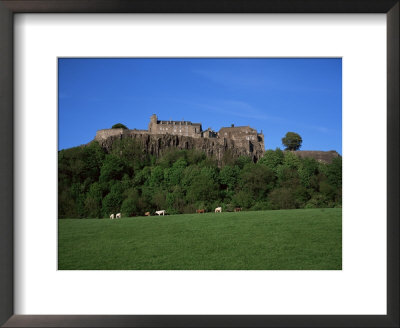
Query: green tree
{"points": [[79, 199], [189, 175], [292, 141], [175, 201], [80, 163], [119, 126], [307, 170], [334, 172], [257, 180], [282, 198], [113, 168], [111, 204], [228, 177], [66, 204], [272, 158], [242, 160], [157, 177], [317, 201], [160, 199], [130, 205], [243, 199], [142, 177], [291, 160], [93, 201], [173, 175], [204, 188]]}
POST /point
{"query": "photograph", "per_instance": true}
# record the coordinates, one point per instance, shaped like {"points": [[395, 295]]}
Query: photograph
{"points": [[199, 163]]}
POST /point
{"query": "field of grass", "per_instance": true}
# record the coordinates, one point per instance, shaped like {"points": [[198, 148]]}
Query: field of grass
{"points": [[309, 239]]}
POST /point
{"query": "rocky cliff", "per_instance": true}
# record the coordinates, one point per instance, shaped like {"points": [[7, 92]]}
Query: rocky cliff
{"points": [[157, 145]]}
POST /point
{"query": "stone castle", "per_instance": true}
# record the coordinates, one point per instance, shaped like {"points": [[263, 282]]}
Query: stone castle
{"points": [[162, 136], [188, 129], [241, 140]]}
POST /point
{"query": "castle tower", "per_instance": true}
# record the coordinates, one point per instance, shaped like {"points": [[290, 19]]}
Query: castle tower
{"points": [[153, 123]]}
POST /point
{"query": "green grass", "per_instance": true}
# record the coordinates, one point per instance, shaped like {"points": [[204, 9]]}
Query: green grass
{"points": [[306, 239]]}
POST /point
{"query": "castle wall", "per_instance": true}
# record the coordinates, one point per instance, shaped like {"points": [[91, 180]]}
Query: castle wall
{"points": [[106, 133], [180, 128], [135, 131], [175, 128]]}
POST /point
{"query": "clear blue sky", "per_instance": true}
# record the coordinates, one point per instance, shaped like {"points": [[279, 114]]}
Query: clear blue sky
{"points": [[272, 95]]}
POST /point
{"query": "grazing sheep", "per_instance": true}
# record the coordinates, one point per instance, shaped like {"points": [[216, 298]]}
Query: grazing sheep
{"points": [[118, 216], [112, 216], [238, 209], [218, 209], [147, 214], [160, 212], [200, 211]]}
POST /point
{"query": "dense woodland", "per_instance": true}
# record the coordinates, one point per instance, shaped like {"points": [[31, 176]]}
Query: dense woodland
{"points": [[93, 183]]}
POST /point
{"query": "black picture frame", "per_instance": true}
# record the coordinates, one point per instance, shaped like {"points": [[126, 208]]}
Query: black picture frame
{"points": [[10, 7]]}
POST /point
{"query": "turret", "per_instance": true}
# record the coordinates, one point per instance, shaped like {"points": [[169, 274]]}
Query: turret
{"points": [[153, 123]]}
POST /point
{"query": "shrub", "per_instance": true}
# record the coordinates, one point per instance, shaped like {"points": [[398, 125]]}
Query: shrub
{"points": [[119, 126], [317, 201], [262, 206], [129, 207], [282, 198], [243, 199]]}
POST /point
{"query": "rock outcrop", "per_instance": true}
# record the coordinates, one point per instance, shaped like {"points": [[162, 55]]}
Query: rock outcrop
{"points": [[159, 144], [232, 140]]}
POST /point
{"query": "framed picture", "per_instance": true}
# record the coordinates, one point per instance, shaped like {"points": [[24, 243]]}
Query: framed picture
{"points": [[234, 298]]}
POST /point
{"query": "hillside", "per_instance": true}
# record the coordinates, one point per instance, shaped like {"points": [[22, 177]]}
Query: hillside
{"points": [[95, 182]]}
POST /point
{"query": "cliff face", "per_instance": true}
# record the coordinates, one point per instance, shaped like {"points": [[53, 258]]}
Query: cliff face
{"points": [[157, 145]]}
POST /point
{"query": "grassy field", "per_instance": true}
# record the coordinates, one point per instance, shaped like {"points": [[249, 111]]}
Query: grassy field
{"points": [[309, 239]]}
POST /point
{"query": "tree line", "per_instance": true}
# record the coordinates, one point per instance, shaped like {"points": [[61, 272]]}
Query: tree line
{"points": [[93, 183]]}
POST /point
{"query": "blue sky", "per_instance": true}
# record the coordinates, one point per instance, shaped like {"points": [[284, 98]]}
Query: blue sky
{"points": [[272, 95]]}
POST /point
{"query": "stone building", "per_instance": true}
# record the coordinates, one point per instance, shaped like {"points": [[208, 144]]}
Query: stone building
{"points": [[242, 140], [241, 133], [209, 133], [180, 128]]}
